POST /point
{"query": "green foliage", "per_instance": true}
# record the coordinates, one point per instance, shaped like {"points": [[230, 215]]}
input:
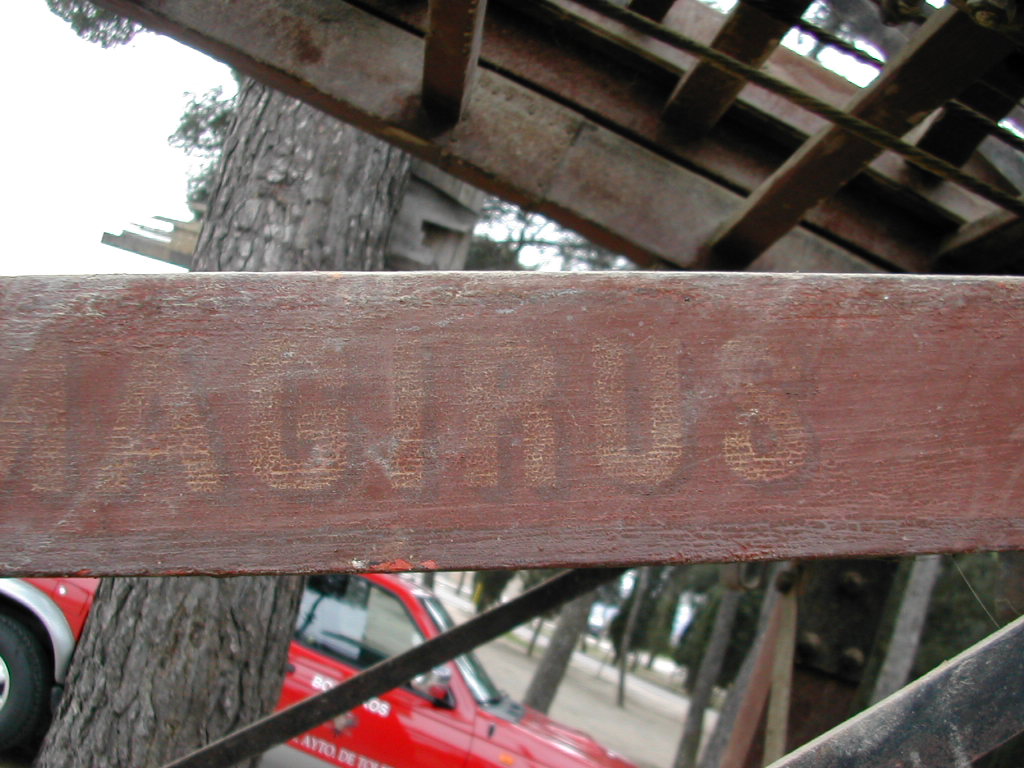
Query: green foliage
{"points": [[694, 641], [488, 254], [508, 235], [201, 133], [204, 124], [94, 24], [658, 606], [537, 576]]}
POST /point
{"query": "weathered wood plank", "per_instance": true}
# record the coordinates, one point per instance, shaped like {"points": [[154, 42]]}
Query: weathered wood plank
{"points": [[750, 35], [453, 48], [952, 716], [948, 54], [295, 423]]}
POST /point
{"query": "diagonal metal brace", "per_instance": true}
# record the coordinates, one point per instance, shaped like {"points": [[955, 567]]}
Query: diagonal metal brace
{"points": [[275, 729], [955, 714]]}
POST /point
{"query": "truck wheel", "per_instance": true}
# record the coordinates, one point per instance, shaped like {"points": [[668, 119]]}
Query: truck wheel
{"points": [[23, 683]]}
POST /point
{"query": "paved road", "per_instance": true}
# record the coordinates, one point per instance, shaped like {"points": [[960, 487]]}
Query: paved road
{"points": [[647, 731]]}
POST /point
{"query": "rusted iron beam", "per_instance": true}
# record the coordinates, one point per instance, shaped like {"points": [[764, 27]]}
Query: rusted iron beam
{"points": [[312, 423], [750, 34], [253, 740], [948, 54], [951, 716], [450, 60]]}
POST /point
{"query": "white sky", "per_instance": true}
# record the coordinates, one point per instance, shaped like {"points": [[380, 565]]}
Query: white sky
{"points": [[85, 141]]}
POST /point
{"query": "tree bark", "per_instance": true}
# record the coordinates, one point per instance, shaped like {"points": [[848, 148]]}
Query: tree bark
{"points": [[167, 665], [299, 191], [572, 621]]}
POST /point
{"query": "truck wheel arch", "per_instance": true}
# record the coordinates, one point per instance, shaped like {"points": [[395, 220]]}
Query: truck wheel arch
{"points": [[43, 618]]}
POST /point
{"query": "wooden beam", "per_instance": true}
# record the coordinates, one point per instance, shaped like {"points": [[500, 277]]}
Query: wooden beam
{"points": [[955, 135], [598, 68], [381, 94], [954, 715], [453, 47], [303, 422], [948, 54], [558, 161], [749, 34]]}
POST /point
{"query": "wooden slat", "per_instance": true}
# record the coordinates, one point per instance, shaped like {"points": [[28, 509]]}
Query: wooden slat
{"points": [[381, 93], [749, 34], [453, 48], [948, 54], [557, 48], [298, 423], [515, 142], [954, 715]]}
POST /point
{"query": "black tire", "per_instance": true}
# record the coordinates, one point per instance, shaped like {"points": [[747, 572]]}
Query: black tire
{"points": [[25, 692]]}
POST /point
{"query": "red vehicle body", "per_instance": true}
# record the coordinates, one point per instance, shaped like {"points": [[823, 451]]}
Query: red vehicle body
{"points": [[453, 717]]}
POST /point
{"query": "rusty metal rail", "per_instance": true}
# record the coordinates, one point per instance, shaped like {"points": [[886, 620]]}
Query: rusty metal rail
{"points": [[950, 717]]}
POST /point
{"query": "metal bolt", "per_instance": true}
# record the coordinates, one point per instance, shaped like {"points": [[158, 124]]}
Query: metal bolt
{"points": [[852, 584], [786, 580], [809, 646], [851, 660]]}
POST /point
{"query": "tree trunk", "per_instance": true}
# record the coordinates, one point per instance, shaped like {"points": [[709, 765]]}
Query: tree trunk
{"points": [[167, 665], [538, 624], [906, 635], [299, 191], [707, 676], [639, 590], [572, 621], [740, 698]]}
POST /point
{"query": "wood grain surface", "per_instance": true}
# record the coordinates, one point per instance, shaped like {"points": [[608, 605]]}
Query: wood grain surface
{"points": [[316, 422]]}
